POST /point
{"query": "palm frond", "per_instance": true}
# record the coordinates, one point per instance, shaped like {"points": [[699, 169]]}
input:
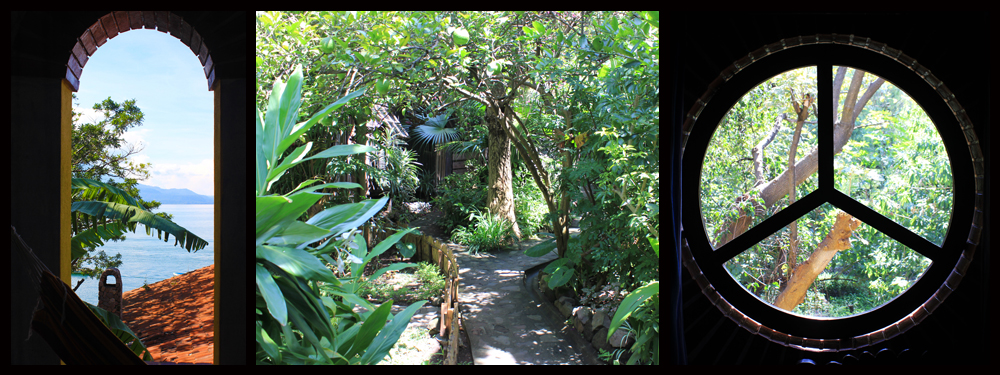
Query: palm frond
{"points": [[434, 130], [130, 215], [93, 190]]}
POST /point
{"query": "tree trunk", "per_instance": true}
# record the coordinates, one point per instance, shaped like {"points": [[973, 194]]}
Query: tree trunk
{"points": [[560, 223], [803, 113], [804, 275], [500, 192], [362, 178]]}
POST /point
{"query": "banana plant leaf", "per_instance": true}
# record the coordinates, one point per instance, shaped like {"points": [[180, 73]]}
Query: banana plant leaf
{"points": [[67, 323], [101, 212], [129, 215]]}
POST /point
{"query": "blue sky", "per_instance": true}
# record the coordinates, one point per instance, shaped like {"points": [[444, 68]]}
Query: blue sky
{"points": [[168, 84]]}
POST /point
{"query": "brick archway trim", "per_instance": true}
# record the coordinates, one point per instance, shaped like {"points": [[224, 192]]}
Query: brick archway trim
{"points": [[114, 23]]}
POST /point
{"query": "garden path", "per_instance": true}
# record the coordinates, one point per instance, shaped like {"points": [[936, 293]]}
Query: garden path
{"points": [[506, 321]]}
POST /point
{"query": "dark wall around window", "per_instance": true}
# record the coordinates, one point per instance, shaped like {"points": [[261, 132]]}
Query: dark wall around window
{"points": [[956, 49]]}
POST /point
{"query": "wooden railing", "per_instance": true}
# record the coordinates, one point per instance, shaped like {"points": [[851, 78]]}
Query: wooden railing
{"points": [[431, 250]]}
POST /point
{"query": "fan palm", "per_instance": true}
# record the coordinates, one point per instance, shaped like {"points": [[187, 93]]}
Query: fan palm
{"points": [[434, 131]]}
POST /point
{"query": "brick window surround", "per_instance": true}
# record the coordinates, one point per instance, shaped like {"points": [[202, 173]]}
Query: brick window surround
{"points": [[114, 23]]}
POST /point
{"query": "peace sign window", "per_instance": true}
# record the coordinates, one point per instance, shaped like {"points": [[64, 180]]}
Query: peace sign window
{"points": [[838, 187]]}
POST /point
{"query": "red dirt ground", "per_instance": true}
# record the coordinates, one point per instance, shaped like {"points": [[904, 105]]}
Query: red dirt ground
{"points": [[174, 317]]}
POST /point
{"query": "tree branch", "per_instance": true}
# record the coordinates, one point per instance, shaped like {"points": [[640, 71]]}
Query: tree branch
{"points": [[804, 275]]}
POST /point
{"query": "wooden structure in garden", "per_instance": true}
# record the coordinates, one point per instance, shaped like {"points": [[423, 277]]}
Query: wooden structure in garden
{"points": [[431, 250], [441, 162]]}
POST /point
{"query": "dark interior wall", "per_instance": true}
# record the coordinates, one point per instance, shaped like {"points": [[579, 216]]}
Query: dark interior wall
{"points": [[41, 44], [34, 184], [955, 47], [233, 308]]}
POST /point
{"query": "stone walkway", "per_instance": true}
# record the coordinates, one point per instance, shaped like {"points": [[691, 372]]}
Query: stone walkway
{"points": [[506, 322]]}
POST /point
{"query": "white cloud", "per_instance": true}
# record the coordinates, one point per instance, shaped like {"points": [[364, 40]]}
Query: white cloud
{"points": [[198, 177], [89, 115], [136, 138]]}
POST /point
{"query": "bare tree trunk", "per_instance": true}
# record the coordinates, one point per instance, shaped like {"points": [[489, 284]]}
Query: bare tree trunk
{"points": [[793, 236], [500, 193], [804, 275]]}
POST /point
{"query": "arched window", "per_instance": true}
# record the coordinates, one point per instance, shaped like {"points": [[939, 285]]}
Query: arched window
{"points": [[831, 158]]}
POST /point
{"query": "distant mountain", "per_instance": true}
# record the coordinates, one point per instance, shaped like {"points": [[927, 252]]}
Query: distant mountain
{"points": [[172, 196]]}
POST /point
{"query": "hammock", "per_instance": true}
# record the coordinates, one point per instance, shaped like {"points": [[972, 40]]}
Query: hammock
{"points": [[65, 321]]}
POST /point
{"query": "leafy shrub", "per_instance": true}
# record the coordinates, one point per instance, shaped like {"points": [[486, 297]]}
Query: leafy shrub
{"points": [[399, 176], [461, 194], [488, 232], [529, 205], [428, 273], [838, 287]]}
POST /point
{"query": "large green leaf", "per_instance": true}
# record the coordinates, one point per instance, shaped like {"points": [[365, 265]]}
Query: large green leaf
{"points": [[261, 162], [364, 211], [341, 150], [387, 338], [119, 329], [289, 161], [267, 343], [387, 243], [391, 267], [296, 262], [274, 213], [272, 294], [133, 214], [84, 189], [301, 128], [561, 270], [434, 130], [273, 132], [95, 237], [298, 233], [303, 303], [541, 248], [372, 325], [631, 303]]}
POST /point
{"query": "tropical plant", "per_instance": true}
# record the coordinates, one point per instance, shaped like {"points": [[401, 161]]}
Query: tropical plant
{"points": [[103, 212], [459, 194], [529, 205], [433, 131], [488, 232], [304, 313]]}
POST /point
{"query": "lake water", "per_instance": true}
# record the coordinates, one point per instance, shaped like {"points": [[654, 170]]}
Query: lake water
{"points": [[146, 259]]}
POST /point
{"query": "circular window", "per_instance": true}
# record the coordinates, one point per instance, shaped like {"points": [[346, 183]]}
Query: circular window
{"points": [[882, 218]]}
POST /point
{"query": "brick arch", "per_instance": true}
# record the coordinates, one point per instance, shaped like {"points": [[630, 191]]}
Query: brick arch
{"points": [[114, 23]]}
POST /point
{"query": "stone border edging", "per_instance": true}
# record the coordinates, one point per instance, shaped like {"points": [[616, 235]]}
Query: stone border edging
{"points": [[579, 325]]}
